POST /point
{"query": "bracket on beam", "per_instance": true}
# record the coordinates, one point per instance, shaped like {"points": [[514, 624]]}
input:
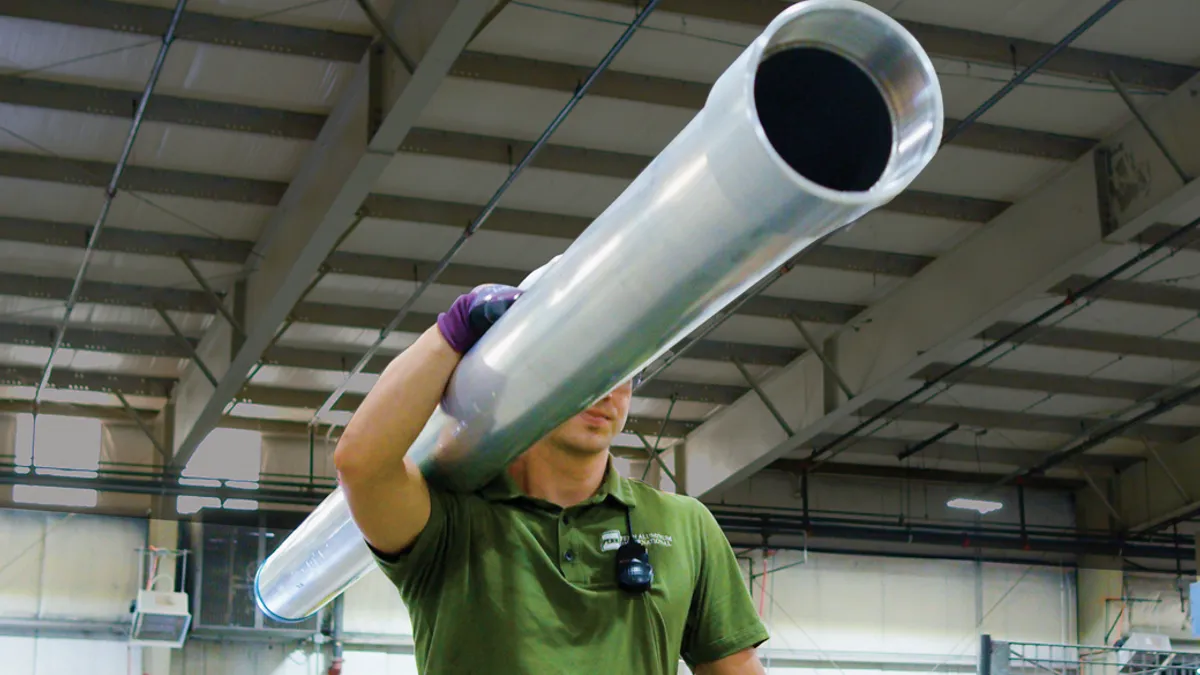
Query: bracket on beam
{"points": [[392, 43], [1145, 123], [812, 345], [192, 353], [653, 450], [213, 296], [376, 67], [917, 447], [762, 395], [656, 455], [1187, 499], [1103, 497], [142, 425]]}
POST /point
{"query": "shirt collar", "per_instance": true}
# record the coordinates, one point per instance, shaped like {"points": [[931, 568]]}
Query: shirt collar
{"points": [[503, 488]]}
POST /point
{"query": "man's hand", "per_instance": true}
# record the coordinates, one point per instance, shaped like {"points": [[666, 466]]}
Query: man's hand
{"points": [[744, 662]]}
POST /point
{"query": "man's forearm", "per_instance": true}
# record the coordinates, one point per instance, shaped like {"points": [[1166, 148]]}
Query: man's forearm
{"points": [[392, 415]]}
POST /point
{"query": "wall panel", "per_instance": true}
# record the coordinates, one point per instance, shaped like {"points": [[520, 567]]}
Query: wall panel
{"points": [[238, 658], [47, 656], [905, 610], [68, 566]]}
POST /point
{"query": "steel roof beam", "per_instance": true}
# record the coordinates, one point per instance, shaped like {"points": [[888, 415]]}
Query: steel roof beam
{"points": [[1095, 341], [115, 239], [199, 27], [1052, 383], [972, 453], [968, 45], [137, 344], [121, 342], [987, 418], [939, 41], [161, 387], [385, 267], [116, 413], [128, 295], [1094, 207], [270, 193], [305, 126], [63, 378], [179, 300]]}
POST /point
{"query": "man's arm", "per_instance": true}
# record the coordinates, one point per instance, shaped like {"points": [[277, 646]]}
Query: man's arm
{"points": [[387, 494], [744, 662], [723, 627]]}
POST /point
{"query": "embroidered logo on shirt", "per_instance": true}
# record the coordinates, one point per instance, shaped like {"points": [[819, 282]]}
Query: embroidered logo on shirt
{"points": [[611, 540]]}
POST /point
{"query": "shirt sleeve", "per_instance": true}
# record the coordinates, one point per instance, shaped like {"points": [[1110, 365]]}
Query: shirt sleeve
{"points": [[722, 620], [421, 567]]}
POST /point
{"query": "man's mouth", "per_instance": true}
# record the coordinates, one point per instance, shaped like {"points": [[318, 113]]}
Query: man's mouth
{"points": [[595, 417]]}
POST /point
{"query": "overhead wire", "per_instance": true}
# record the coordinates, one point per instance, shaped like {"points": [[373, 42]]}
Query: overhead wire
{"points": [[192, 37], [110, 194]]}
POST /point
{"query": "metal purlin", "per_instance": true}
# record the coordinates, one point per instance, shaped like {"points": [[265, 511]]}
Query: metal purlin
{"points": [[110, 195], [488, 209]]}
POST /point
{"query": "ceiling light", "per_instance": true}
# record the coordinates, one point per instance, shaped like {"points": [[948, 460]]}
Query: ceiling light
{"points": [[982, 506]]}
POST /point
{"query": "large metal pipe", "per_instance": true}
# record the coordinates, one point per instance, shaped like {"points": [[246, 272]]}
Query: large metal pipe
{"points": [[830, 113]]}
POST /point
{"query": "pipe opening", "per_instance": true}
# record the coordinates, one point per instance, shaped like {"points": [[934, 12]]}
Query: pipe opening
{"points": [[825, 117]]}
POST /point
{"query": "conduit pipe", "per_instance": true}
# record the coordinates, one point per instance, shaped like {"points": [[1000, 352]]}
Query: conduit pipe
{"points": [[829, 114], [110, 193]]}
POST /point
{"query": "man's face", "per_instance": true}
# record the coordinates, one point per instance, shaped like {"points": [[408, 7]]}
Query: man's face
{"points": [[593, 430]]}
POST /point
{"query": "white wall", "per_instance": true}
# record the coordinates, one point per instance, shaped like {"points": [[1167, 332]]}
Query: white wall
{"points": [[237, 658], [45, 656], [68, 566], [897, 610], [64, 567]]}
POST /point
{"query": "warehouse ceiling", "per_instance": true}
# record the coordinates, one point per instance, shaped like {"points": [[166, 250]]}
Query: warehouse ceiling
{"points": [[248, 86]]}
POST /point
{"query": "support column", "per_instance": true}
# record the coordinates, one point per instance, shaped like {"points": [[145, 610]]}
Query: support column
{"points": [[1194, 595], [162, 528], [1099, 581], [164, 534], [8, 437]]}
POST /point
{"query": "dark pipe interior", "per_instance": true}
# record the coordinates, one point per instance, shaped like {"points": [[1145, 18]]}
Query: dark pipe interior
{"points": [[825, 117]]}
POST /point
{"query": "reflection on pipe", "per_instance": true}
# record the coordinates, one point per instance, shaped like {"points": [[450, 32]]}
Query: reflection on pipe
{"points": [[830, 113]]}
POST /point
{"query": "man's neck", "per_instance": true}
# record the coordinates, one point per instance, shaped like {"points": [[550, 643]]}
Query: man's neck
{"points": [[557, 476]]}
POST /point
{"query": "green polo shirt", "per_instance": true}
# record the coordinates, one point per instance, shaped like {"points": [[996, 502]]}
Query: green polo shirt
{"points": [[499, 582]]}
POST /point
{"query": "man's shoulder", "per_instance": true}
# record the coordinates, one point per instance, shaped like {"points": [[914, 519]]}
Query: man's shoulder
{"points": [[669, 502]]}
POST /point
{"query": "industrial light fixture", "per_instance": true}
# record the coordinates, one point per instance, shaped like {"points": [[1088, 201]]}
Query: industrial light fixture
{"points": [[982, 506]]}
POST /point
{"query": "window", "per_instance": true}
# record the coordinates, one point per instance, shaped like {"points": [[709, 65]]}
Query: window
{"points": [[54, 445], [232, 457]]}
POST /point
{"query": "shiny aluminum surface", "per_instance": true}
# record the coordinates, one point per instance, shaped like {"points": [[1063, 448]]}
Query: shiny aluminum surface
{"points": [[714, 213]]}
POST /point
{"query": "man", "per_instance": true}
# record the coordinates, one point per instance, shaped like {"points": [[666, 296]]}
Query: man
{"points": [[524, 576]]}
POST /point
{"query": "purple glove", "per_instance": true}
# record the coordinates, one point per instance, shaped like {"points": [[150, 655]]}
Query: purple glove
{"points": [[472, 314]]}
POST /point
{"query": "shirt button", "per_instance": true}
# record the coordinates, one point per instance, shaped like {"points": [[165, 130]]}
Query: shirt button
{"points": [[569, 556]]}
